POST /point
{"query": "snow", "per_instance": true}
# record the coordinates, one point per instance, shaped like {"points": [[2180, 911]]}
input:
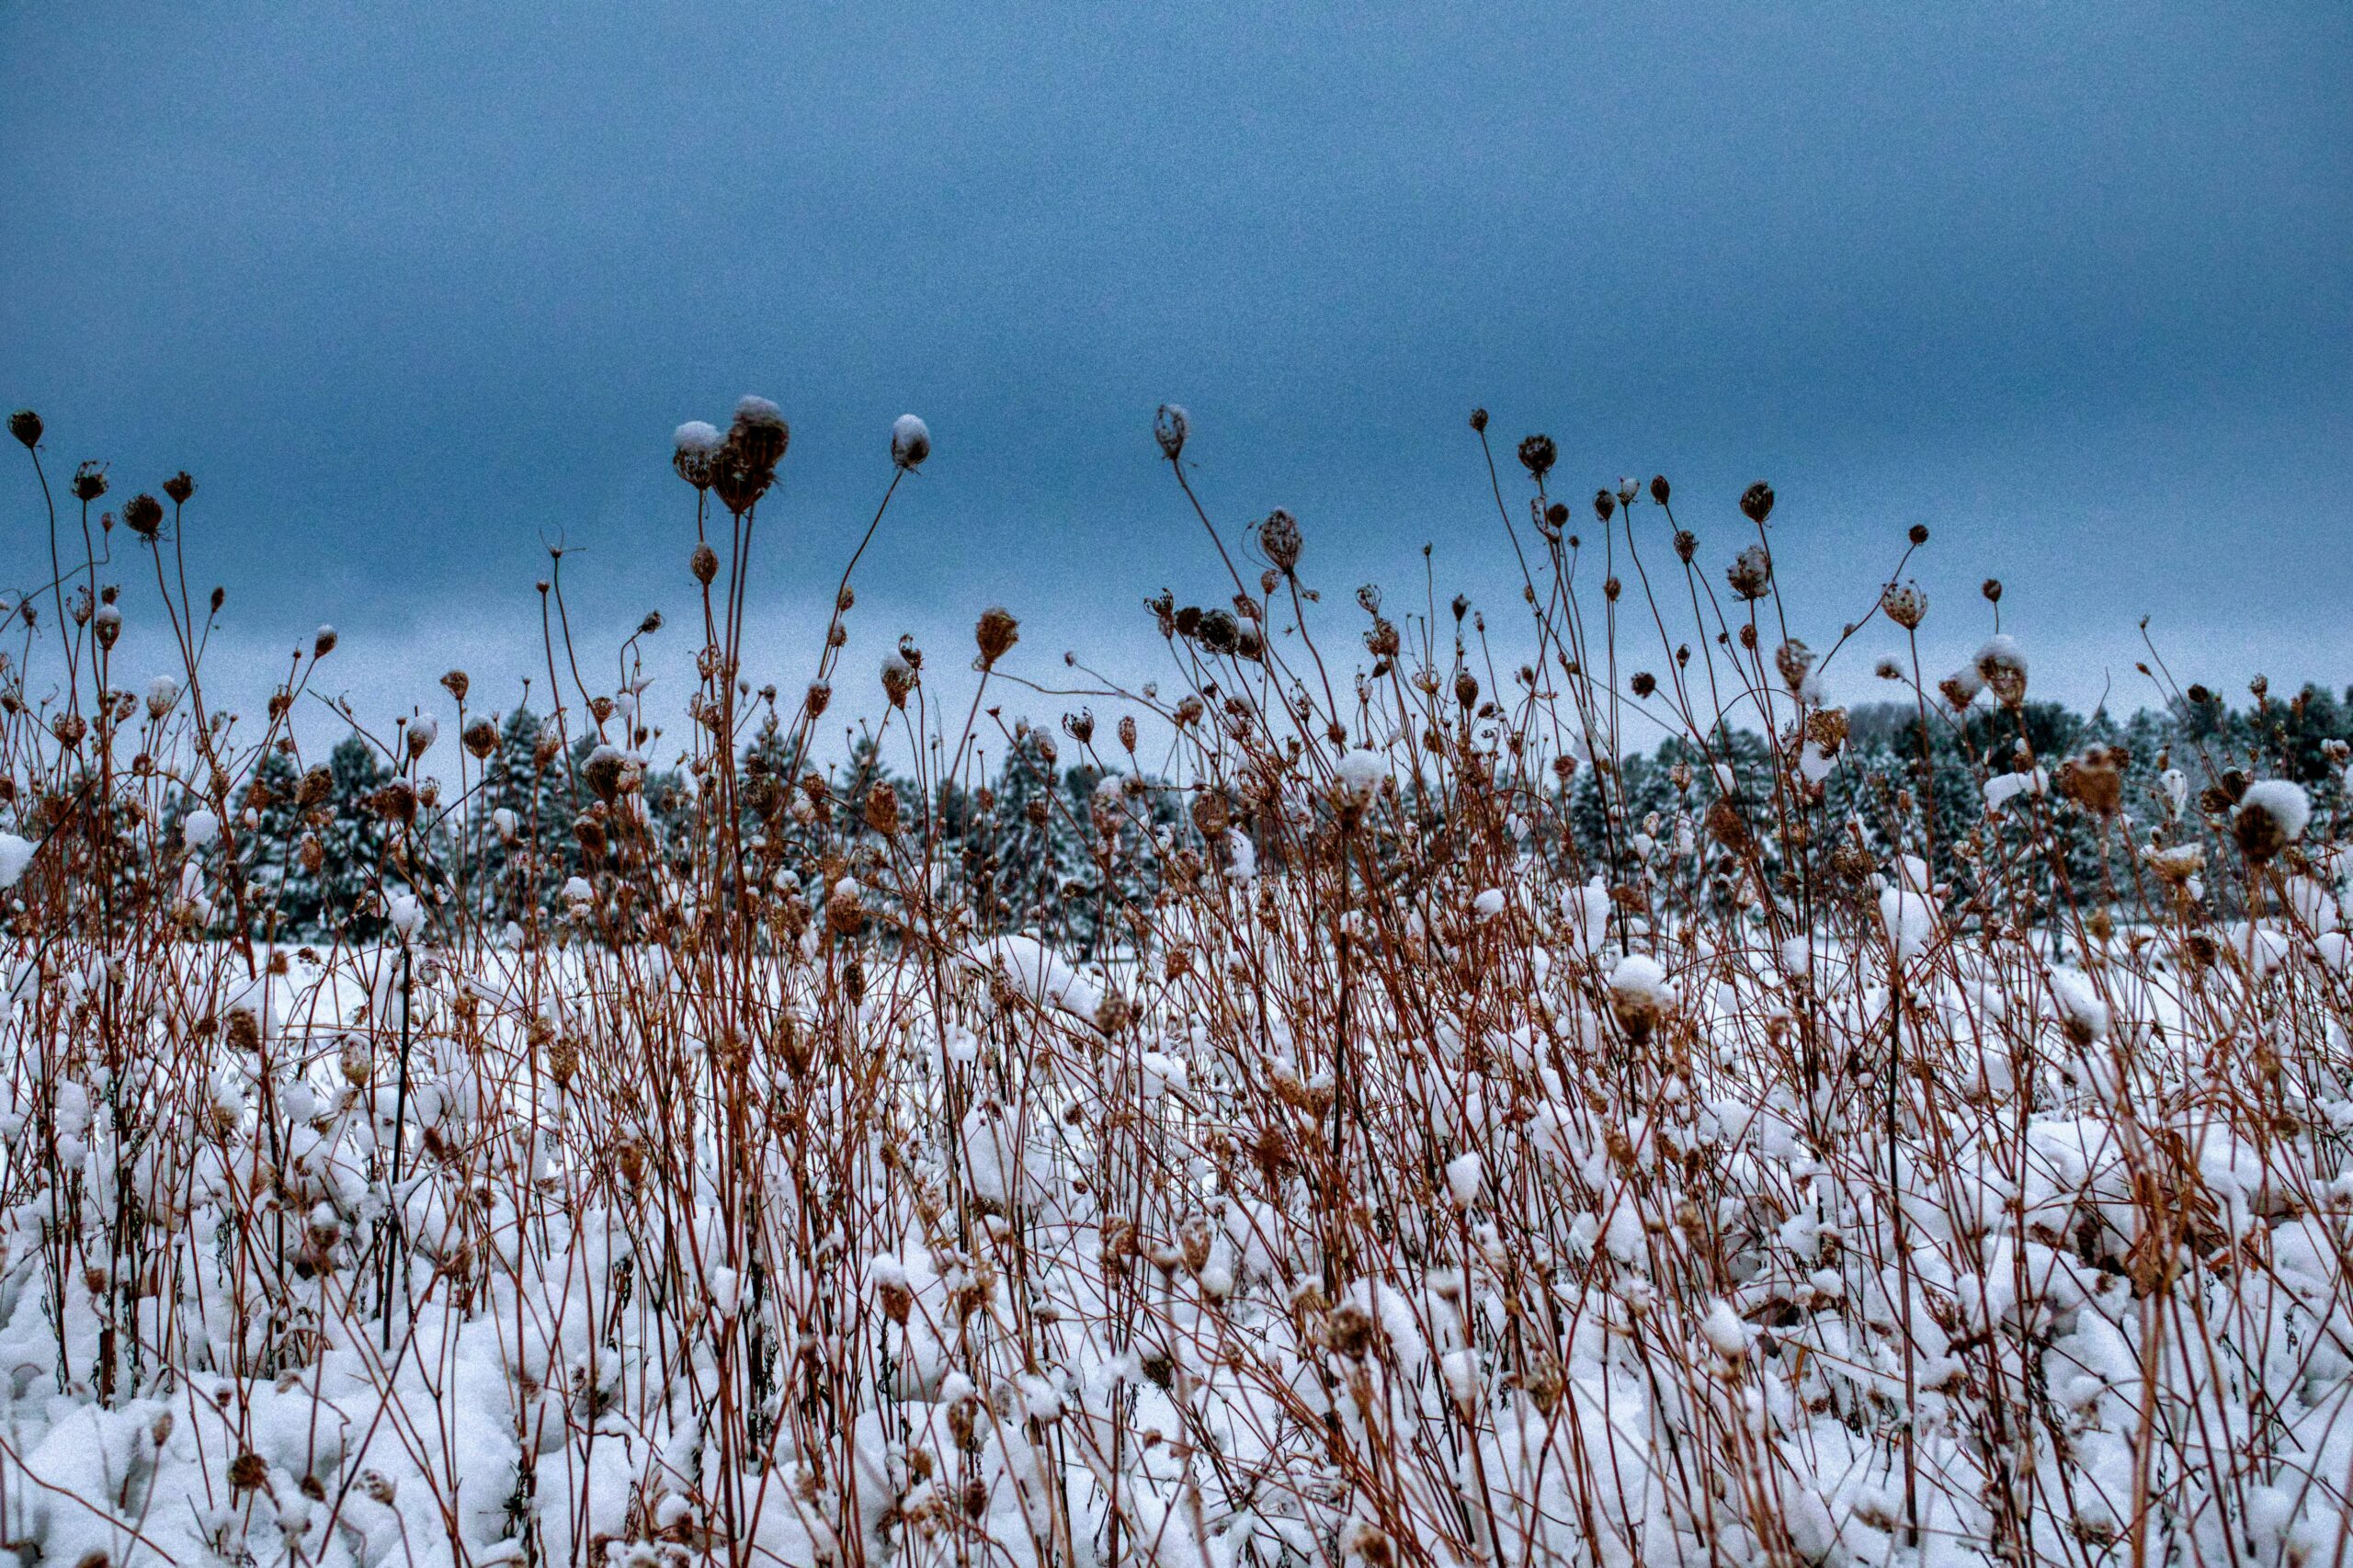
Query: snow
{"points": [[200, 828], [16, 854]]}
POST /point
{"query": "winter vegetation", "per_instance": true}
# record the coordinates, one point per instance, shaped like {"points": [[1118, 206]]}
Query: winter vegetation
{"points": [[1398, 1090]]}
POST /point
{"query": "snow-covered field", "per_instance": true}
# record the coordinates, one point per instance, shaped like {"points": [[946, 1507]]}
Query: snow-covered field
{"points": [[1419, 1177]]}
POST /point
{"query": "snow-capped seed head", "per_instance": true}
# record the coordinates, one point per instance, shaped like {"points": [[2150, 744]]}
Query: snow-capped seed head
{"points": [[1757, 502], [1537, 455], [996, 631], [1359, 772], [1169, 428], [105, 625], [1751, 572], [1278, 536], [2000, 664], [25, 426], [1628, 488], [910, 441], [162, 693], [1906, 605], [759, 432], [143, 515], [898, 678], [322, 641], [694, 447], [423, 731], [1638, 995], [2269, 817]]}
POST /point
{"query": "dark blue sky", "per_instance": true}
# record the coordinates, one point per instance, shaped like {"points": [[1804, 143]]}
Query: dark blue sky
{"points": [[410, 293]]}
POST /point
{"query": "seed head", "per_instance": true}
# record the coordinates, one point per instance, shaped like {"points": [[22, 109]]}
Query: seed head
{"points": [[25, 426], [898, 678], [457, 684], [90, 481], [1917, 534], [1169, 428], [2000, 664], [1757, 502], [179, 487], [998, 631], [1537, 455], [1992, 590], [694, 448], [1278, 536], [1751, 572], [910, 441], [759, 434], [2271, 816], [1628, 488], [1906, 605], [1479, 420], [1687, 544], [143, 515], [322, 642], [703, 563], [1659, 488], [481, 738], [1604, 504]]}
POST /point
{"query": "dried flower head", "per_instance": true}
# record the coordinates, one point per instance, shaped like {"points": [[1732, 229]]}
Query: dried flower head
{"points": [[1757, 502], [1479, 420], [910, 441], [1537, 455], [694, 448], [2000, 664], [2269, 817], [1906, 605], [995, 632], [1659, 488], [1605, 504], [1169, 428], [89, 481], [759, 435], [25, 426], [179, 487], [143, 515], [1751, 572], [1278, 536]]}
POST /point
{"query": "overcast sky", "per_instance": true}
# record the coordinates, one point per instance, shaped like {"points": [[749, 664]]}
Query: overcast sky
{"points": [[416, 291]]}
